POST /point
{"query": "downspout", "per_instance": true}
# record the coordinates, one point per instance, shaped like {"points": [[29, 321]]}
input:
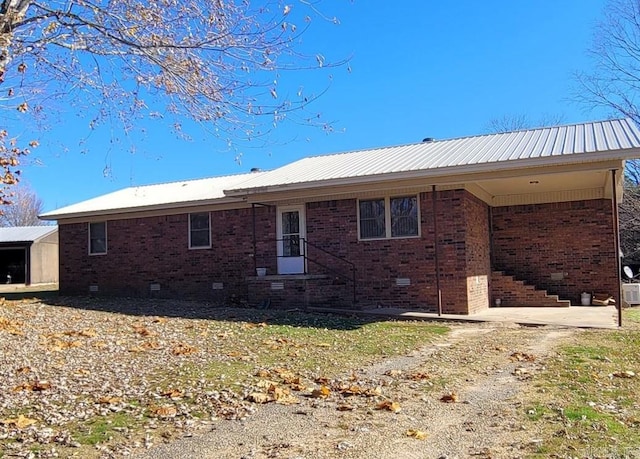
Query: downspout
{"points": [[616, 234], [435, 247], [253, 218]]}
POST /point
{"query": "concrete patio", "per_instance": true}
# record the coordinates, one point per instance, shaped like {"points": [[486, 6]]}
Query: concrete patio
{"points": [[574, 316]]}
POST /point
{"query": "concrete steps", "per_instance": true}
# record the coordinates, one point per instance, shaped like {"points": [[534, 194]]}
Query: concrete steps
{"points": [[514, 292]]}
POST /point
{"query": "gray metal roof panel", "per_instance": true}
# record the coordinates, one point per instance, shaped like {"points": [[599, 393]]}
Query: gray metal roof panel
{"points": [[25, 233], [543, 144], [150, 196]]}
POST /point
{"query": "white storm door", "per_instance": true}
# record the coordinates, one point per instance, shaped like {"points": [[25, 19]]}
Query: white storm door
{"points": [[291, 233]]}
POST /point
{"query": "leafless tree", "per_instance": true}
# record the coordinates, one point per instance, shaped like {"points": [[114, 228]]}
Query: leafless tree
{"points": [[216, 62], [22, 208], [614, 82], [517, 122], [630, 224]]}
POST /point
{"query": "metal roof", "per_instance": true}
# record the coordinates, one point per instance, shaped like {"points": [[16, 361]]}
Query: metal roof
{"points": [[25, 233], [153, 196], [532, 147], [570, 144]]}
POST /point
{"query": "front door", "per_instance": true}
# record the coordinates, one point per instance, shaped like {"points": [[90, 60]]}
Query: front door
{"points": [[291, 234]]}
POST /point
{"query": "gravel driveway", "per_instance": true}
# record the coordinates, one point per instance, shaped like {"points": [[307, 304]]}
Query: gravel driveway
{"points": [[484, 368]]}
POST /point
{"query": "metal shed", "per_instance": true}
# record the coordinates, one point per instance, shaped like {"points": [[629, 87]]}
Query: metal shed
{"points": [[29, 255]]}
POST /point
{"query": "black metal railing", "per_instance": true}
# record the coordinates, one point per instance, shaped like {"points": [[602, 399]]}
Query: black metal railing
{"points": [[299, 247]]}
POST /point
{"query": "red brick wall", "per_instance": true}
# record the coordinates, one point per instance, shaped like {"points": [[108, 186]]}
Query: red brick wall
{"points": [[150, 250], [575, 238], [332, 225], [142, 251], [478, 260]]}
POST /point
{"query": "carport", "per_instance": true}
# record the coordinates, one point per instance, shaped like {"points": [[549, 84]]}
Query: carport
{"points": [[29, 255]]}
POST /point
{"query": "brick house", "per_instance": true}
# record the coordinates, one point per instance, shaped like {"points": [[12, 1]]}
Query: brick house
{"points": [[526, 217]]}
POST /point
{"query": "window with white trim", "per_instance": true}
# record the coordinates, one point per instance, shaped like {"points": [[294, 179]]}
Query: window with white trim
{"points": [[98, 238], [200, 230], [385, 218]]}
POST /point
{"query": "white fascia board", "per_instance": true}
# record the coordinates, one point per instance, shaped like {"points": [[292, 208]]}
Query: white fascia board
{"points": [[133, 210]]}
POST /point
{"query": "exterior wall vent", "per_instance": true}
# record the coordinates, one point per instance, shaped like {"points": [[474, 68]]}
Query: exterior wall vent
{"points": [[93, 288], [217, 286], [277, 285], [154, 287], [403, 281]]}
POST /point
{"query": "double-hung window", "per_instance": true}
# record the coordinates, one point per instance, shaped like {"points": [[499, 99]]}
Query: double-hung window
{"points": [[385, 218], [98, 238], [200, 230]]}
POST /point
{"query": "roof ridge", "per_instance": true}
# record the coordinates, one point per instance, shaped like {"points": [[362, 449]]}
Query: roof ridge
{"points": [[172, 182]]}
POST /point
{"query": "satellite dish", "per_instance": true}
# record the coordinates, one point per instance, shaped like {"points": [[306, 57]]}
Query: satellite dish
{"points": [[628, 272]]}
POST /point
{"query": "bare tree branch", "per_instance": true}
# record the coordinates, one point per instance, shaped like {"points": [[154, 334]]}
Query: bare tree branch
{"points": [[219, 63], [22, 208]]}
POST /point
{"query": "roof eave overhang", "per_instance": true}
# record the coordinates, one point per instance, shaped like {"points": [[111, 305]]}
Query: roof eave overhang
{"points": [[139, 209], [516, 165]]}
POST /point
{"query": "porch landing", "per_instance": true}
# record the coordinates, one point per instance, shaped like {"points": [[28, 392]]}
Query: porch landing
{"points": [[574, 316]]}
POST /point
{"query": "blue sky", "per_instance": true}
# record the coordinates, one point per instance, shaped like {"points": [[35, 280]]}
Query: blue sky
{"points": [[418, 69]]}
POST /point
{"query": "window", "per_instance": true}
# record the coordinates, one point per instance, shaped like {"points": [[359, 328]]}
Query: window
{"points": [[404, 216], [97, 238], [199, 231], [291, 234], [388, 217]]}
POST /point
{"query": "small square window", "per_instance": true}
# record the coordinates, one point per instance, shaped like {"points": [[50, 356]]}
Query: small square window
{"points": [[199, 230], [97, 238]]}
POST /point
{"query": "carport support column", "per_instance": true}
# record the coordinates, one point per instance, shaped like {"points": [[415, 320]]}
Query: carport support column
{"points": [[616, 235], [435, 247]]}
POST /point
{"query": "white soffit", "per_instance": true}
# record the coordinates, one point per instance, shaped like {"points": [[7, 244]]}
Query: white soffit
{"points": [[602, 140]]}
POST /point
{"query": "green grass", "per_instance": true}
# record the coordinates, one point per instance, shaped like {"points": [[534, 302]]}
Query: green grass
{"points": [[102, 429], [595, 408]]}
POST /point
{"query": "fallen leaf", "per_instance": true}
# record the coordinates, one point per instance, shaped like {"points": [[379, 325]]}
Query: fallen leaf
{"points": [[109, 400], [418, 376], [183, 349], [451, 397], [20, 422], [393, 373], [258, 397], [322, 392], [417, 434], [345, 407], [172, 393], [151, 345], [142, 330], [23, 370], [263, 373], [164, 411], [373, 392], [388, 405], [522, 357], [624, 374]]}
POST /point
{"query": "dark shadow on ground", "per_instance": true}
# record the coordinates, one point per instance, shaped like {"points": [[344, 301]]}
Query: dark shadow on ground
{"points": [[201, 310], [42, 295]]}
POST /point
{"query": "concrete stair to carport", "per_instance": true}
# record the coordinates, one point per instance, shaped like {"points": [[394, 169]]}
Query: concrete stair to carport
{"points": [[515, 292]]}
